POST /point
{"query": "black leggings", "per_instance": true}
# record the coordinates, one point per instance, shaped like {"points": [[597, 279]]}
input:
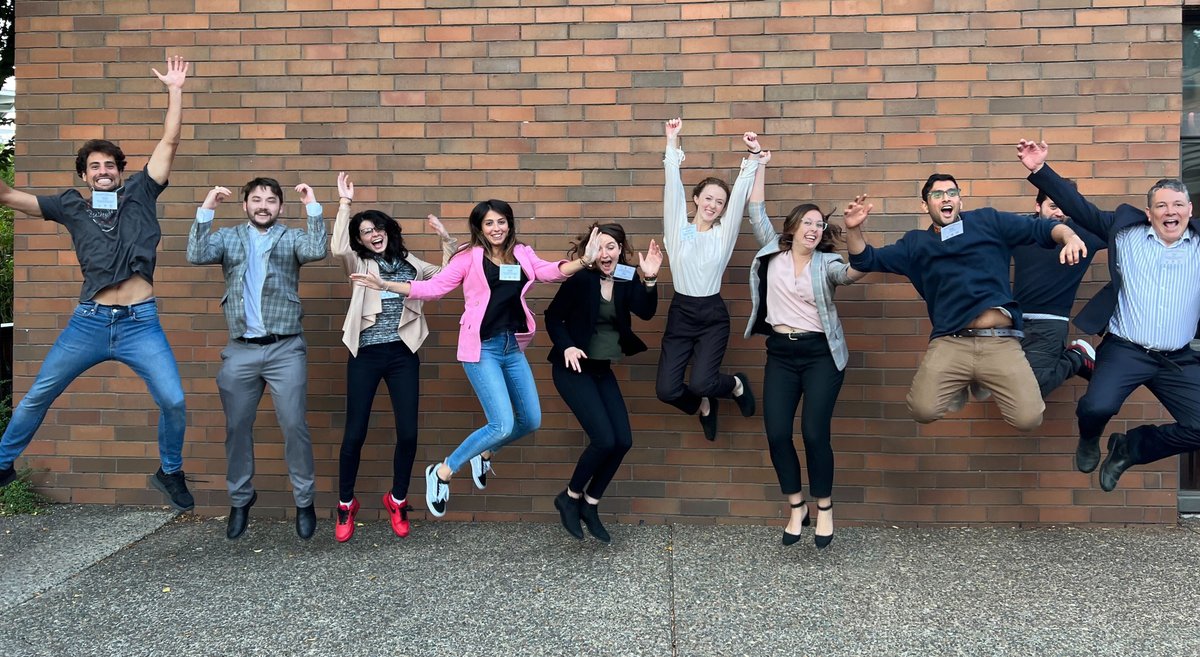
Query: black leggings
{"points": [[596, 400], [801, 368], [394, 363], [696, 327]]}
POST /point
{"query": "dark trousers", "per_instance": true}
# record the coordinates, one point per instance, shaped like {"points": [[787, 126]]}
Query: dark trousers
{"points": [[1045, 346], [596, 401], [796, 369], [698, 332], [1173, 377], [395, 363]]}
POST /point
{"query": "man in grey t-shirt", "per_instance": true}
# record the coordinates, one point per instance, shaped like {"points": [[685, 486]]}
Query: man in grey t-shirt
{"points": [[115, 233]]}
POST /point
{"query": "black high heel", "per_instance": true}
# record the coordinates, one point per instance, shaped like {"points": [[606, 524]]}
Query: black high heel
{"points": [[791, 539], [823, 542]]}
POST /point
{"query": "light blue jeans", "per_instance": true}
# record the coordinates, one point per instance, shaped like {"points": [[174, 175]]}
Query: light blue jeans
{"points": [[97, 333], [504, 384]]}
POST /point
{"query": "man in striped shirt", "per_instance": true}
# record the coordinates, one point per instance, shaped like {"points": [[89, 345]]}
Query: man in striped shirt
{"points": [[1148, 313]]}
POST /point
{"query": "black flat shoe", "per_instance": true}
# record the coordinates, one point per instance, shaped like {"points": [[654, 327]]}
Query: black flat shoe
{"points": [[792, 539], [709, 422], [591, 519], [746, 401], [1117, 462], [820, 541], [306, 521], [1087, 454], [239, 517]]}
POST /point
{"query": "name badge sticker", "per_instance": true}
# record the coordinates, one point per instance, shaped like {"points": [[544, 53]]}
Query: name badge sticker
{"points": [[952, 230], [510, 272], [688, 232], [388, 294], [104, 200], [623, 273]]}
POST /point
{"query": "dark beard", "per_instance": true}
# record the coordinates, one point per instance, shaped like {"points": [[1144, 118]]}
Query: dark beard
{"points": [[261, 226]]}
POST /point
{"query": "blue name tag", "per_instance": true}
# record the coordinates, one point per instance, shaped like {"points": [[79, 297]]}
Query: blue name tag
{"points": [[952, 230], [688, 232], [623, 273], [104, 200], [510, 272], [388, 294]]}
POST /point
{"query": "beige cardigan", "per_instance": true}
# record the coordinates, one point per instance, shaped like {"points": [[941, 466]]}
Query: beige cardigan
{"points": [[365, 303]]}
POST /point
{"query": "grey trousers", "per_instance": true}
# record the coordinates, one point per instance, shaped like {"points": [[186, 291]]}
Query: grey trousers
{"points": [[1045, 346], [246, 370]]}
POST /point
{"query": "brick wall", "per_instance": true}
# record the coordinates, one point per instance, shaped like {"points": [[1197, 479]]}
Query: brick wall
{"points": [[435, 105]]}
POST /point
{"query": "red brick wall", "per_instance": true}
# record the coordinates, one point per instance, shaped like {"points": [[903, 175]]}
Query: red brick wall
{"points": [[435, 105]]}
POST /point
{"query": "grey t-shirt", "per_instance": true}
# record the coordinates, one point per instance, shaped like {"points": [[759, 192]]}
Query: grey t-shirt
{"points": [[111, 245]]}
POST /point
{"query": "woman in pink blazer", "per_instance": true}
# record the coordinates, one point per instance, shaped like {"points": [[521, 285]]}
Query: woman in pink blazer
{"points": [[495, 271]]}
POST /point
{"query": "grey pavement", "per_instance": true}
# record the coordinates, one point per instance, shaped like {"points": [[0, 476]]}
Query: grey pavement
{"points": [[73, 586]]}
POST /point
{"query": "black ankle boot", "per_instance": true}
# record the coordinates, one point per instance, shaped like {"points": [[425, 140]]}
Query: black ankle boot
{"points": [[590, 517], [820, 541], [568, 513]]}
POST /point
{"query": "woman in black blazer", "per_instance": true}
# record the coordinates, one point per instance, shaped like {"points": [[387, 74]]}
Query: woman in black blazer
{"points": [[589, 323]]}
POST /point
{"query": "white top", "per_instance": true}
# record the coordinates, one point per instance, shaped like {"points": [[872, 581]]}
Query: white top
{"points": [[698, 260]]}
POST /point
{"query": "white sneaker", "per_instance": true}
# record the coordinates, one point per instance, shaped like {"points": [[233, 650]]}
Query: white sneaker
{"points": [[979, 392], [437, 492], [480, 467], [956, 404]]}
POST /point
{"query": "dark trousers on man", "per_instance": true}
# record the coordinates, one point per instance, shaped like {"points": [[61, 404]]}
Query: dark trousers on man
{"points": [[697, 331], [1045, 346], [1173, 377]]}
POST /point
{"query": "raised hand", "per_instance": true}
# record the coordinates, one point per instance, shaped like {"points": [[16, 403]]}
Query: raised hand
{"points": [[650, 263], [214, 198], [368, 280], [345, 187], [751, 141], [176, 73], [672, 129], [436, 226], [593, 248], [306, 194], [1032, 154], [856, 211], [571, 358]]}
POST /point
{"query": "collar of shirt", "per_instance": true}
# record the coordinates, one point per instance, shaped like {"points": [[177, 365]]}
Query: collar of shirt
{"points": [[1186, 238]]}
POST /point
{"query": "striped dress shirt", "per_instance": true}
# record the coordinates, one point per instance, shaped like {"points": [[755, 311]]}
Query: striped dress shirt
{"points": [[1158, 304]]}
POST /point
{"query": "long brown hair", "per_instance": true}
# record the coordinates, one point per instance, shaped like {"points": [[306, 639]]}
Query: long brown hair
{"points": [[829, 237], [613, 230], [475, 221], [700, 188]]}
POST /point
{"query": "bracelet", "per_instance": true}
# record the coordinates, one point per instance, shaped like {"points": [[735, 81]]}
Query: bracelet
{"points": [[753, 152], [346, 199]]}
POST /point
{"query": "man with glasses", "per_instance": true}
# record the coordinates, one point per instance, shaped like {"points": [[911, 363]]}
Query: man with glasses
{"points": [[1148, 314], [261, 261], [959, 265]]}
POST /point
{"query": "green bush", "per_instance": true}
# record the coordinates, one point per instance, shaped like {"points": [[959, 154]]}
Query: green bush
{"points": [[19, 498]]}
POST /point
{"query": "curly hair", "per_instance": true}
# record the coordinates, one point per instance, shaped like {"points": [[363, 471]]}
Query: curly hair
{"points": [[613, 230], [99, 146], [829, 237]]}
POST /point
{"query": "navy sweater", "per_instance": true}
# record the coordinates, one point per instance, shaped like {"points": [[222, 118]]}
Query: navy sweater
{"points": [[964, 275], [1041, 284]]}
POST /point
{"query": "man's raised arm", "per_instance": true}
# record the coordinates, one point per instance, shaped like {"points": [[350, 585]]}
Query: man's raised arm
{"points": [[159, 166]]}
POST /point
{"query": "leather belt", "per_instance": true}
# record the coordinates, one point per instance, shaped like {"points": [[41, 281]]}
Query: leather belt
{"points": [[988, 333], [266, 339], [796, 335]]}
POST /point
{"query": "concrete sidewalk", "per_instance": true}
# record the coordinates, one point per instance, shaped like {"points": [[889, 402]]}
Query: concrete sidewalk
{"points": [[181, 588]]}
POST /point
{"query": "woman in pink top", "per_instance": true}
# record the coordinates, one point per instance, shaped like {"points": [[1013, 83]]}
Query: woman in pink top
{"points": [[495, 271]]}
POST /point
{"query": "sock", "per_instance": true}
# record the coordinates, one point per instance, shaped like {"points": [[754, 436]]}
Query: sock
{"points": [[398, 502]]}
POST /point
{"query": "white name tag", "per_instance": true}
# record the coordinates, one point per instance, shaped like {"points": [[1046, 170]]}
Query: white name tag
{"points": [[104, 200], [510, 272], [688, 232], [623, 273], [952, 230], [388, 294]]}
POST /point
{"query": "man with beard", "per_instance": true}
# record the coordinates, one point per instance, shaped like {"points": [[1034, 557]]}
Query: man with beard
{"points": [[959, 265], [1148, 314], [261, 261], [115, 234]]}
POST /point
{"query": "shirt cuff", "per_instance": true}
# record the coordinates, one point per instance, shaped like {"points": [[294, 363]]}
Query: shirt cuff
{"points": [[204, 215], [314, 209]]}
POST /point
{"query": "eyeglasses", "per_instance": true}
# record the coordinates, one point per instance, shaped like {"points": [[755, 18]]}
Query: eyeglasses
{"points": [[819, 225], [371, 231], [938, 194]]}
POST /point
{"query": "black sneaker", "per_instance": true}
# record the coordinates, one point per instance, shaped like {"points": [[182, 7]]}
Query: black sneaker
{"points": [[174, 486], [746, 401], [709, 422], [7, 476]]}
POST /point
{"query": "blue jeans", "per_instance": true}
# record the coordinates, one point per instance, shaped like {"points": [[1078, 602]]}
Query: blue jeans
{"points": [[504, 384], [97, 333]]}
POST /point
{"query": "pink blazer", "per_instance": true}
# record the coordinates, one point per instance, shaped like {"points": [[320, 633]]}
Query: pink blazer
{"points": [[467, 268]]}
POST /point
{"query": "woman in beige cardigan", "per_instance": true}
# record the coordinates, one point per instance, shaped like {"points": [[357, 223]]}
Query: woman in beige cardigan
{"points": [[383, 331]]}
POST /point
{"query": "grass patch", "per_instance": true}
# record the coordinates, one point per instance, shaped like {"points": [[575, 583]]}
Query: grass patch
{"points": [[19, 498]]}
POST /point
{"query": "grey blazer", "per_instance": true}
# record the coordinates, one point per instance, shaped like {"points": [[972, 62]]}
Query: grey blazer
{"points": [[289, 249], [828, 271]]}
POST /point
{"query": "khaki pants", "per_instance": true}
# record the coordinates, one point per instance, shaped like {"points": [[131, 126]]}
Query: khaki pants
{"points": [[997, 364]]}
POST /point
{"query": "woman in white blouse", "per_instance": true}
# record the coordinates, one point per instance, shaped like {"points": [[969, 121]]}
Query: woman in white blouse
{"points": [[792, 280], [697, 329]]}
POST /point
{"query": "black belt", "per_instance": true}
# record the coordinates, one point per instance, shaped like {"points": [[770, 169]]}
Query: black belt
{"points": [[796, 335], [988, 333], [266, 339]]}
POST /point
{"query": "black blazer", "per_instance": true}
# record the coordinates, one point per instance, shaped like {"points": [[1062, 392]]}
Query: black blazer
{"points": [[571, 317], [1105, 225]]}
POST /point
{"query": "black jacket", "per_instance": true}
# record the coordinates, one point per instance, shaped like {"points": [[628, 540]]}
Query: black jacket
{"points": [[571, 317]]}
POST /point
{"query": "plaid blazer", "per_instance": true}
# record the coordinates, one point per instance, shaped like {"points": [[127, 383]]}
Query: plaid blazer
{"points": [[288, 249]]}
